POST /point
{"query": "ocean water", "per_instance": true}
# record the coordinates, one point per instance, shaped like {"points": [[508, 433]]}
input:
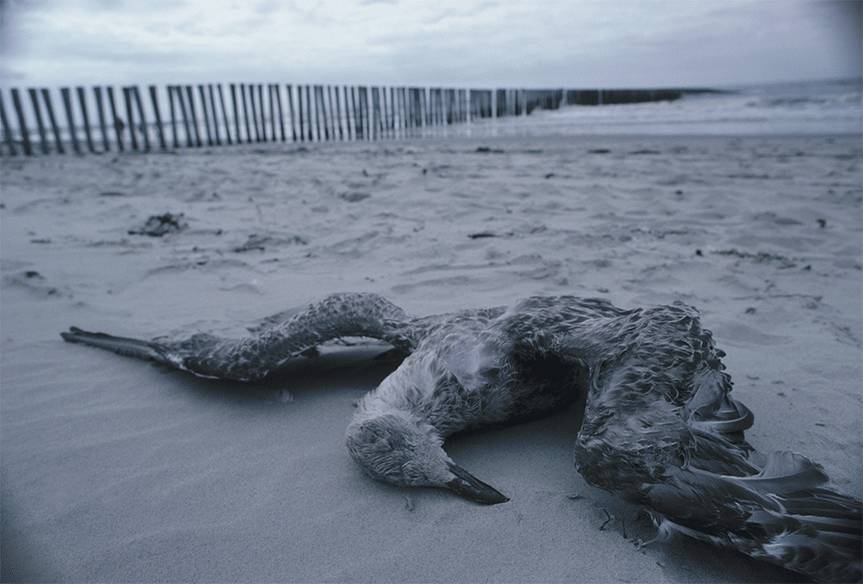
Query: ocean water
{"points": [[805, 108]]}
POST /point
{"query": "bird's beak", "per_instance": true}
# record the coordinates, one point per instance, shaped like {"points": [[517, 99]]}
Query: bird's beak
{"points": [[468, 486]]}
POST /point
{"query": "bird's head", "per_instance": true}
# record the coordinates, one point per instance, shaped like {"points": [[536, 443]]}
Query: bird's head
{"points": [[399, 449]]}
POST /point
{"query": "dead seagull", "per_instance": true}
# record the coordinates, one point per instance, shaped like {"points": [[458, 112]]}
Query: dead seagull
{"points": [[659, 425]]}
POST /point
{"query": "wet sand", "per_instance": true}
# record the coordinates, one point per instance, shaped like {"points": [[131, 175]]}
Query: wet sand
{"points": [[117, 470]]}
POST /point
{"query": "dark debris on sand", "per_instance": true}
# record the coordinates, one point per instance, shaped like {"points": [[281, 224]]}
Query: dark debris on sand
{"points": [[159, 225], [760, 257], [256, 242]]}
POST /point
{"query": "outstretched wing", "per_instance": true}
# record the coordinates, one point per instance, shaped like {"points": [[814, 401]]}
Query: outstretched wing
{"points": [[271, 346], [661, 429]]}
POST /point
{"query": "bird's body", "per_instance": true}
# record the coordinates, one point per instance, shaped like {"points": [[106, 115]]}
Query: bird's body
{"points": [[659, 425]]}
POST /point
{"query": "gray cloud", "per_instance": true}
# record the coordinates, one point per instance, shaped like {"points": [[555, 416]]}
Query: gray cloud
{"points": [[464, 42]]}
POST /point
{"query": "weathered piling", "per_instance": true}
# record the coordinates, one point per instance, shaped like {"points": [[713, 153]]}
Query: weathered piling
{"points": [[290, 95], [193, 115], [55, 127], [205, 110], [363, 111], [235, 106], [224, 114], [145, 134], [160, 131], [70, 118], [305, 113], [215, 116], [82, 105], [262, 112], [250, 88], [276, 96], [309, 119], [248, 126], [117, 122], [40, 125], [300, 113], [339, 113], [7, 129], [172, 112], [177, 94], [103, 122], [356, 113], [130, 120], [321, 117], [22, 123]]}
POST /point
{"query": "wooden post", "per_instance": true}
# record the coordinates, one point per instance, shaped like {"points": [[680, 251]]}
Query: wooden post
{"points": [[366, 111], [375, 114], [328, 113], [187, 127], [289, 90], [55, 128], [356, 124], [154, 101], [330, 110], [70, 118], [103, 122], [173, 112], [40, 125], [254, 111], [7, 129], [263, 112], [193, 115], [388, 109], [310, 114], [22, 123], [215, 113], [117, 120], [261, 117], [409, 120], [339, 113], [310, 118], [392, 111], [224, 114], [246, 113], [253, 114], [320, 104], [382, 112], [315, 108], [82, 103], [141, 117], [130, 120], [300, 122], [236, 107], [206, 111], [277, 91], [403, 110], [315, 114]]}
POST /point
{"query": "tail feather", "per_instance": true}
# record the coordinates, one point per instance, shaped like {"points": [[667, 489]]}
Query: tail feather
{"points": [[779, 514]]}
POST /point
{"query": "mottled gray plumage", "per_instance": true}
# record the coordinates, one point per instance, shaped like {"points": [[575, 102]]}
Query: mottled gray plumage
{"points": [[659, 425]]}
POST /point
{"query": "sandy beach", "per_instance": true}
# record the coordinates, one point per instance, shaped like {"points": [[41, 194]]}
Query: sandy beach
{"points": [[116, 470]]}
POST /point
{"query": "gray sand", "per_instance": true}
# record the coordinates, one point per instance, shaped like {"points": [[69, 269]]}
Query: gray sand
{"points": [[117, 470]]}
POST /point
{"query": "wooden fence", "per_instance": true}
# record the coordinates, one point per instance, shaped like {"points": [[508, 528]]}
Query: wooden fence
{"points": [[98, 119]]}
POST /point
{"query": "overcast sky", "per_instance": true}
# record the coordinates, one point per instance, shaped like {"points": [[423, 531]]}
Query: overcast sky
{"points": [[443, 42]]}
